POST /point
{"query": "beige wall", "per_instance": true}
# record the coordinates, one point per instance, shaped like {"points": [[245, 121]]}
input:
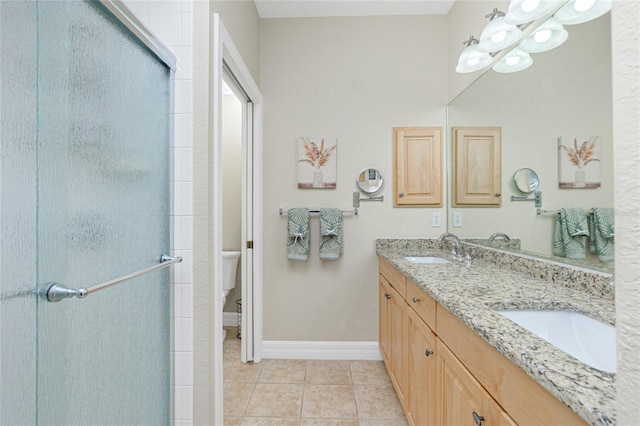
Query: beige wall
{"points": [[626, 113], [232, 185], [353, 79], [566, 92]]}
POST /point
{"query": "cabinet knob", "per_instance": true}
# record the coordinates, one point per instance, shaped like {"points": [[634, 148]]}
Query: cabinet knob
{"points": [[498, 194], [401, 194], [387, 295], [415, 300], [478, 419], [428, 352]]}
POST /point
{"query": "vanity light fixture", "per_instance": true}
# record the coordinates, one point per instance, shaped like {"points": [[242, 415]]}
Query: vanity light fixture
{"points": [[471, 59], [579, 11], [514, 61], [524, 11], [547, 36], [498, 34]]}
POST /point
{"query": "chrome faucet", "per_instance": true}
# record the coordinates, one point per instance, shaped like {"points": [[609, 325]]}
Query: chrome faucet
{"points": [[456, 244], [496, 235]]}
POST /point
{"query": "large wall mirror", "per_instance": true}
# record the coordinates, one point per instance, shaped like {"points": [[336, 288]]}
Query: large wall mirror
{"points": [[565, 93]]}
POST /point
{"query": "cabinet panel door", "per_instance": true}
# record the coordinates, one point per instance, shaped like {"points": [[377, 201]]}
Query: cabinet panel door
{"points": [[422, 365], [398, 339], [384, 297], [477, 167], [418, 166]]}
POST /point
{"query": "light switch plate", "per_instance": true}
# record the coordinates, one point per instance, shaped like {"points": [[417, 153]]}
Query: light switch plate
{"points": [[457, 219]]}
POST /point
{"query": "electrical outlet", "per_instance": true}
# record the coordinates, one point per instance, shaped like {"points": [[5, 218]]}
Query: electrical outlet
{"points": [[457, 219], [436, 220]]}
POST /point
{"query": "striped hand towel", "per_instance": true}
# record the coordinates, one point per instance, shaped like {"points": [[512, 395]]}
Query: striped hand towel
{"points": [[331, 235], [601, 224], [569, 234], [298, 234]]}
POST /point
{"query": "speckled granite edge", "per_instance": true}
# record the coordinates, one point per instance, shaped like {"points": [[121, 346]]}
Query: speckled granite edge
{"points": [[596, 282]]}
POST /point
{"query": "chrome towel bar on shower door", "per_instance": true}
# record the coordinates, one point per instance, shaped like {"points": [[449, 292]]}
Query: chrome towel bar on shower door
{"points": [[55, 292]]}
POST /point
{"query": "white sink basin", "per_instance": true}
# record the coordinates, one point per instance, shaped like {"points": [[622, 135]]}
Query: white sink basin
{"points": [[584, 338], [427, 259]]}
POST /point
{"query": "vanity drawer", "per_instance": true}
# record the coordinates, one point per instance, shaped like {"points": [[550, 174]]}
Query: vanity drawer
{"points": [[395, 277], [423, 304]]}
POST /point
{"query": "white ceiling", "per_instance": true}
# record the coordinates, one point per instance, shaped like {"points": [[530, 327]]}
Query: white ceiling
{"points": [[324, 8]]}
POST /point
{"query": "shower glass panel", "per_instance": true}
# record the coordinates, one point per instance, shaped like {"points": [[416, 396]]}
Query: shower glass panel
{"points": [[84, 175]]}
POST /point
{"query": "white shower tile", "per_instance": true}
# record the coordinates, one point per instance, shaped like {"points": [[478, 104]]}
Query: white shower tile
{"points": [[183, 133], [184, 269], [184, 232], [183, 422], [184, 301], [184, 403], [183, 199], [187, 5], [184, 335], [167, 26], [184, 96], [185, 63], [183, 164], [165, 6], [140, 8], [187, 29], [184, 369]]}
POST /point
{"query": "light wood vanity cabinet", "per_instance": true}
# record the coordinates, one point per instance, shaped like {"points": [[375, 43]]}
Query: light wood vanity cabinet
{"points": [[443, 372]]}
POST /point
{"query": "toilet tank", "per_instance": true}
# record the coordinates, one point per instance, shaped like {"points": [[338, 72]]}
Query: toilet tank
{"points": [[229, 269]]}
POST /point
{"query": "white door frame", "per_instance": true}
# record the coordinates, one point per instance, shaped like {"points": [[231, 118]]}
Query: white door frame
{"points": [[225, 54]]}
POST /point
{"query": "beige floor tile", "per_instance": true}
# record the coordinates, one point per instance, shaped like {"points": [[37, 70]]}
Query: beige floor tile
{"points": [[276, 400], [237, 371], [369, 373], [328, 372], [377, 402], [371, 422], [236, 398], [232, 421], [270, 421], [231, 350], [329, 401], [329, 422], [283, 371]]}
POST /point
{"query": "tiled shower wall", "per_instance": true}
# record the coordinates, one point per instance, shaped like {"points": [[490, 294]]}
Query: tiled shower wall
{"points": [[171, 21]]}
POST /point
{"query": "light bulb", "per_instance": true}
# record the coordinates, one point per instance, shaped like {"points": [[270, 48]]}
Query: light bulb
{"points": [[583, 5], [542, 36], [472, 61], [498, 37], [529, 5], [512, 60]]}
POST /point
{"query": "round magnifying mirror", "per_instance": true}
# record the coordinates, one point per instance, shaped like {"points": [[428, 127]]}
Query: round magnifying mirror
{"points": [[369, 181], [525, 181]]}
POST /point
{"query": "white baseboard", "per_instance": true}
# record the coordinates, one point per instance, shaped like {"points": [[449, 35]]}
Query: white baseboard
{"points": [[229, 319], [286, 349]]}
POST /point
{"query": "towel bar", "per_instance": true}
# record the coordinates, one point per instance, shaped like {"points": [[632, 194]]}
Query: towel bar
{"points": [[316, 211]]}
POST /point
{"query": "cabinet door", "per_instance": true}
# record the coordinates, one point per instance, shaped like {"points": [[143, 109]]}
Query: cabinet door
{"points": [[384, 297], [477, 167], [463, 400], [398, 340], [418, 166], [422, 380]]}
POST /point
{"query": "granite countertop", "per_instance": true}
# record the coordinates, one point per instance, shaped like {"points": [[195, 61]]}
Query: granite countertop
{"points": [[473, 293]]}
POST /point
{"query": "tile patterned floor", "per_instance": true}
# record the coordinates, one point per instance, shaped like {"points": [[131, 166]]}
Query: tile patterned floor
{"points": [[307, 393]]}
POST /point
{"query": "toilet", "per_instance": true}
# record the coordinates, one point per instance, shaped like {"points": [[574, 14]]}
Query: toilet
{"points": [[229, 270]]}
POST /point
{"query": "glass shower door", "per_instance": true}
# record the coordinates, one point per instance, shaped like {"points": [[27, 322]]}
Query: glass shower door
{"points": [[103, 198]]}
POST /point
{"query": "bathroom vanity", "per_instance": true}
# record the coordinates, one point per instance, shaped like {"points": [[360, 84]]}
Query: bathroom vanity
{"points": [[453, 359]]}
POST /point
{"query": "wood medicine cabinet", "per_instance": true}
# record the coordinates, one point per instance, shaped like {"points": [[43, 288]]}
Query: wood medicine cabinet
{"points": [[477, 167], [418, 166]]}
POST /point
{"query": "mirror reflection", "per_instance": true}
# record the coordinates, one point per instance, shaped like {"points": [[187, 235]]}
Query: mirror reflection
{"points": [[525, 181], [370, 181], [564, 95]]}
